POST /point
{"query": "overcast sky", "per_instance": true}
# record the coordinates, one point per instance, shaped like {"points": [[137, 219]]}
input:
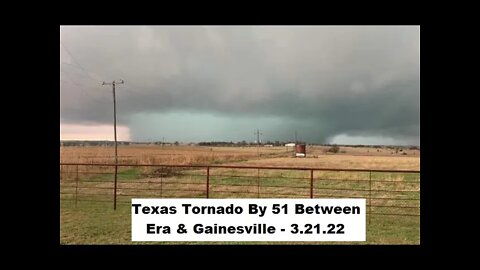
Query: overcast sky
{"points": [[349, 85]]}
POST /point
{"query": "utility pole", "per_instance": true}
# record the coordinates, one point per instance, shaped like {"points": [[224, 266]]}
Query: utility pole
{"points": [[258, 140], [296, 142], [115, 136]]}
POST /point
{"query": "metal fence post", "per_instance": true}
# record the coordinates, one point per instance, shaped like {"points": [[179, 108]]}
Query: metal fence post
{"points": [[115, 189], [76, 187], [161, 182], [311, 184], [208, 180], [258, 182], [370, 198]]}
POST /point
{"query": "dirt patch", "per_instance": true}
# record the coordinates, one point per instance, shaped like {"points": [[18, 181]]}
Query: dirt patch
{"points": [[164, 172]]}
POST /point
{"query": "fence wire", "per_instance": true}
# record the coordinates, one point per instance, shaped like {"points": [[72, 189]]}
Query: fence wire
{"points": [[388, 192]]}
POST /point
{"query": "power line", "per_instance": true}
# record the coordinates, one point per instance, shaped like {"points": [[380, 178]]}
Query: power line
{"points": [[78, 66], [73, 58], [70, 64], [77, 63], [71, 81], [83, 74]]}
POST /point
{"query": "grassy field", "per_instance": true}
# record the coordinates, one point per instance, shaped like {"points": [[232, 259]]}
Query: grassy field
{"points": [[154, 154], [317, 156], [97, 223], [91, 220]]}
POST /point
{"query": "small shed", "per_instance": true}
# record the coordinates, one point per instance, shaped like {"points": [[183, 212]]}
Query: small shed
{"points": [[300, 150]]}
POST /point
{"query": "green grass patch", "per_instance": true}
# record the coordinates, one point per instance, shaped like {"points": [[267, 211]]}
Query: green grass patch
{"points": [[125, 174], [98, 223]]}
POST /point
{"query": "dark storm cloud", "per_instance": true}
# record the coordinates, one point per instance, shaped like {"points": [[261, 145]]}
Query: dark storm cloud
{"points": [[338, 80]]}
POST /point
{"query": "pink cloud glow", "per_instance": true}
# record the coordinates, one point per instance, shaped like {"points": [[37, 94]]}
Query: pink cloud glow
{"points": [[95, 132]]}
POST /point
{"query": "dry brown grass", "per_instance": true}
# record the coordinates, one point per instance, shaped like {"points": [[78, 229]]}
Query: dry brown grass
{"points": [[364, 151], [343, 162], [391, 193], [353, 158], [151, 154]]}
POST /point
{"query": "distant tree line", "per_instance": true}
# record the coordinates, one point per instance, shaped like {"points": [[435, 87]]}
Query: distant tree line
{"points": [[241, 143], [91, 143], [394, 147], [333, 147], [217, 143]]}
